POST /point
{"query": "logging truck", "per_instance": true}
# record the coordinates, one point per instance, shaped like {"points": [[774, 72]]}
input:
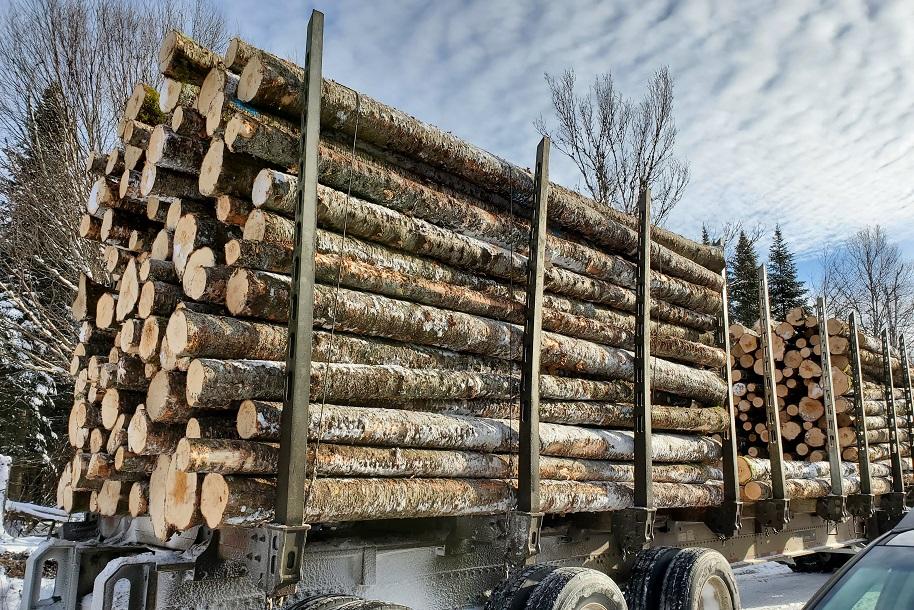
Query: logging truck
{"points": [[339, 358]]}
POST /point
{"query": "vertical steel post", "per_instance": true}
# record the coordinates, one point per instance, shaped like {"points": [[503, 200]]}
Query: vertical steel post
{"points": [[833, 506], [888, 387], [528, 500], [634, 527], [862, 504], [908, 398], [773, 513], [644, 491], [726, 521], [289, 529]]}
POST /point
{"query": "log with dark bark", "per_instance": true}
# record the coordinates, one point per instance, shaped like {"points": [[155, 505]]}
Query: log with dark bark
{"points": [[184, 60]]}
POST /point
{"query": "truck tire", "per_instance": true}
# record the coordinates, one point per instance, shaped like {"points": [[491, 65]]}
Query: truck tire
{"points": [[576, 589], [324, 602], [344, 602], [643, 587], [699, 579], [514, 591]]}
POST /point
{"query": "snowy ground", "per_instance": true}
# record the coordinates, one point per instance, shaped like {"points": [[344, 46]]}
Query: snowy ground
{"points": [[773, 586]]}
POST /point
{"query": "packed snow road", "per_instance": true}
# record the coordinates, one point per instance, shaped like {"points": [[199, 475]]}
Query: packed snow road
{"points": [[774, 586]]}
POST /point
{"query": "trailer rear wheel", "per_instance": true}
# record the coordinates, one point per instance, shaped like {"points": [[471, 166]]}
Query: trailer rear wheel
{"points": [[343, 602], [514, 591], [577, 589], [643, 587], [699, 579]]}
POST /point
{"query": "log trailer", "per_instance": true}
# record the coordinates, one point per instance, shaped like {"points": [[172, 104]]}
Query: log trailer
{"points": [[523, 557]]}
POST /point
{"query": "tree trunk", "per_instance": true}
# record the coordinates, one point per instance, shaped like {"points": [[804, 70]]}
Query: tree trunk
{"points": [[182, 59], [226, 173], [811, 488], [175, 152], [165, 400]]}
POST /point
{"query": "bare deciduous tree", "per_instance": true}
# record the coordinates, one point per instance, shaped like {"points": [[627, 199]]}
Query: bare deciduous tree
{"points": [[728, 232], [869, 275], [618, 144]]}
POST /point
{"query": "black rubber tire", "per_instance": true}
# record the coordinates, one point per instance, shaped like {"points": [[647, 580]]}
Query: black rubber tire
{"points": [[643, 587], [811, 563], [575, 588], [331, 601], [687, 575], [514, 591]]}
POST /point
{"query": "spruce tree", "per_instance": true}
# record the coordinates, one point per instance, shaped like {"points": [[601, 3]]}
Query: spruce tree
{"points": [[705, 238], [743, 282], [784, 289]]}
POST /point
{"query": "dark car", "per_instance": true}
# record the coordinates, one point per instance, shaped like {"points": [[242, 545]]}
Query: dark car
{"points": [[881, 577]]}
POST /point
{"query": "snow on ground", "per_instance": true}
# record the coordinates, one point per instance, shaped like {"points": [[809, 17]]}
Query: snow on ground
{"points": [[774, 586], [15, 549]]}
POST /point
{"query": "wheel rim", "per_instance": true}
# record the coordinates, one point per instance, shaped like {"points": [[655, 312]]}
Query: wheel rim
{"points": [[715, 595], [594, 606]]}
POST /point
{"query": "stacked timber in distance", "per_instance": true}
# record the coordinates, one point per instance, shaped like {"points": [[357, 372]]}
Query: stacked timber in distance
{"points": [[796, 349], [418, 318]]}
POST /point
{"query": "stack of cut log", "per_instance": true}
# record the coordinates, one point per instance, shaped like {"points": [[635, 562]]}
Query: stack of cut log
{"points": [[798, 377], [419, 303]]}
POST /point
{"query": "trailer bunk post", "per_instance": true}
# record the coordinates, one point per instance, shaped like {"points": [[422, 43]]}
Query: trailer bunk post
{"points": [[863, 504], [909, 405], [634, 527], [726, 520], [288, 531], [893, 503], [775, 512], [528, 517], [832, 507]]}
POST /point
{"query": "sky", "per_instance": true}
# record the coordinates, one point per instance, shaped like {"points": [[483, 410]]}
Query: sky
{"points": [[789, 111]]}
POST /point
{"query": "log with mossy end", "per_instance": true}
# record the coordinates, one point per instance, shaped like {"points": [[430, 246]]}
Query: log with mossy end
{"points": [[143, 105]]}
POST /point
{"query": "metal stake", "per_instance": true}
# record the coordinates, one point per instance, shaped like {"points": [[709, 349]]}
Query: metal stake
{"points": [[862, 504], [529, 516], [833, 506], [726, 520], [908, 399], [289, 529], [773, 513], [634, 527]]}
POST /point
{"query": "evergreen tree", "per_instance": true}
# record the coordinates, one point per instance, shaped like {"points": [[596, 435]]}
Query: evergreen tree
{"points": [[784, 289], [743, 284], [705, 238]]}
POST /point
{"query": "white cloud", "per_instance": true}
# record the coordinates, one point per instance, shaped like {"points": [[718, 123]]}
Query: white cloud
{"points": [[792, 112]]}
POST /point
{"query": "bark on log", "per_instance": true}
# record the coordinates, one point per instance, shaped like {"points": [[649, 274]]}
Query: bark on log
{"points": [[233, 210], [195, 231], [379, 183], [276, 85], [266, 296], [167, 183], [176, 94], [87, 294], [151, 338], [175, 152], [127, 461], [226, 173], [391, 228], [114, 498], [228, 500], [187, 121], [165, 400], [211, 427], [158, 298], [183, 59], [395, 428], [154, 270], [145, 437], [157, 497], [375, 315], [218, 81], [759, 469], [811, 488]]}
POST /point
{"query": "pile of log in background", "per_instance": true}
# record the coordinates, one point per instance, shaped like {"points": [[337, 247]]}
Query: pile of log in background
{"points": [[419, 301], [796, 348]]}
